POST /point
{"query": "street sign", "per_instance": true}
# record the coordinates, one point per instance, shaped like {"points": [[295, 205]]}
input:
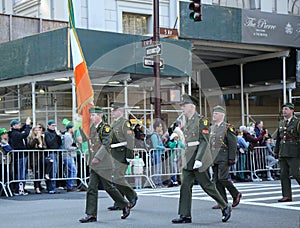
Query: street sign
{"points": [[149, 62], [153, 50], [147, 42], [168, 32]]}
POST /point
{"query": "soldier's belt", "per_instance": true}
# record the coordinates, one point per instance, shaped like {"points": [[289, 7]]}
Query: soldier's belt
{"points": [[195, 143], [115, 145]]}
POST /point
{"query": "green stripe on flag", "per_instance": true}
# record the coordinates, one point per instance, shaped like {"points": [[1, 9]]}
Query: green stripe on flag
{"points": [[71, 14]]}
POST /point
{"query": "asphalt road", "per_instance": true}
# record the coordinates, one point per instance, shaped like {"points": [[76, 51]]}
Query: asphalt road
{"points": [[152, 210]]}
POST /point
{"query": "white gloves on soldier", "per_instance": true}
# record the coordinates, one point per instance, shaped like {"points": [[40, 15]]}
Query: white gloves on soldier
{"points": [[197, 164]]}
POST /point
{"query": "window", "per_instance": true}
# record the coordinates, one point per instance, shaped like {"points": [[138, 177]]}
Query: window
{"points": [[294, 7], [135, 24]]}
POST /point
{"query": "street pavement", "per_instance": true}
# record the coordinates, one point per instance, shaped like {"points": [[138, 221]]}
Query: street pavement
{"points": [[155, 208]]}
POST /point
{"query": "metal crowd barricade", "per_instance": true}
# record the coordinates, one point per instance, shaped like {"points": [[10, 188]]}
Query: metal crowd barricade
{"points": [[252, 162], [243, 166], [143, 154], [4, 162], [39, 165], [164, 164]]}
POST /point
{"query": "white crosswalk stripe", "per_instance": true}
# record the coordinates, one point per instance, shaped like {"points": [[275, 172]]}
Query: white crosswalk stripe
{"points": [[258, 194]]}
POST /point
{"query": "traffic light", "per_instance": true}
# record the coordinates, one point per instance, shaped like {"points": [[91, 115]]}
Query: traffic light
{"points": [[195, 6]]}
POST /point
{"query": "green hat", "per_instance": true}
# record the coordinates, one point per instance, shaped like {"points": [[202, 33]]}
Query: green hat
{"points": [[65, 122], [3, 131], [50, 122], [116, 105], [14, 122], [219, 108], [289, 105], [95, 109], [188, 99], [69, 125]]}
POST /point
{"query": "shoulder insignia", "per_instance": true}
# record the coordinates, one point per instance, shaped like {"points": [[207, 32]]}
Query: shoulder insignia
{"points": [[231, 129], [107, 129], [205, 122], [205, 131], [128, 124]]}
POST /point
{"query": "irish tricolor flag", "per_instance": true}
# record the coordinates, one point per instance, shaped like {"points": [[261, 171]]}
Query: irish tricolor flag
{"points": [[84, 90]]}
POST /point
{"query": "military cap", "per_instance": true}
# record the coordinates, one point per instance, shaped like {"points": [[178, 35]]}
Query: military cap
{"points": [[14, 122], [289, 105], [3, 131], [219, 108], [50, 122], [95, 109], [188, 99], [116, 105]]}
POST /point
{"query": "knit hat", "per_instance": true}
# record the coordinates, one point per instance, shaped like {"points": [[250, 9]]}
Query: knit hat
{"points": [[50, 122], [69, 125], [14, 122]]}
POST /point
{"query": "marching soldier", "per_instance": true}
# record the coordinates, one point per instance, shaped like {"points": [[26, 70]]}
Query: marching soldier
{"points": [[196, 160], [101, 165], [223, 146], [122, 152], [288, 149]]}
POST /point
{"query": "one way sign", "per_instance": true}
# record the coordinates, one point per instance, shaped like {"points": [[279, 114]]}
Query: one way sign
{"points": [[153, 50], [149, 62]]}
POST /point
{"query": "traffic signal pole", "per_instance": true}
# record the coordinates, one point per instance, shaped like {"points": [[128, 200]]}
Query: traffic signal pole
{"points": [[156, 58]]}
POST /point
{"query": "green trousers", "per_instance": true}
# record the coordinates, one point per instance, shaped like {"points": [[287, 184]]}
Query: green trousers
{"points": [[187, 182], [92, 193]]}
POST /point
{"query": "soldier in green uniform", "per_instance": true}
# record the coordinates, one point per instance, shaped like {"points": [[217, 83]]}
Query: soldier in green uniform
{"points": [[122, 152], [195, 161], [100, 161], [288, 150], [223, 147]]}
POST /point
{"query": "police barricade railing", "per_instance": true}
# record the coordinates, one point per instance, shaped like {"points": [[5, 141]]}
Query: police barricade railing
{"points": [[41, 165], [242, 168], [251, 162], [261, 162], [139, 169], [4, 160], [165, 165]]}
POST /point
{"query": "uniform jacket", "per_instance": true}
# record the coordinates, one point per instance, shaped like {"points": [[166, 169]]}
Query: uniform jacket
{"points": [[197, 129], [223, 142], [122, 132], [288, 138], [100, 139]]}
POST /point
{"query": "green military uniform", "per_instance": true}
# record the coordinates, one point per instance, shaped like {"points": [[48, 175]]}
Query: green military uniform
{"points": [[223, 146], [122, 149], [288, 149], [196, 132], [102, 172]]}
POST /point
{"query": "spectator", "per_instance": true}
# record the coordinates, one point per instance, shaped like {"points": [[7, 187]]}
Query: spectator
{"points": [[5, 148], [270, 157], [36, 141], [243, 150], [249, 136], [178, 131], [68, 157], [17, 140], [138, 169], [175, 155], [53, 142], [139, 137], [158, 151], [259, 130]]}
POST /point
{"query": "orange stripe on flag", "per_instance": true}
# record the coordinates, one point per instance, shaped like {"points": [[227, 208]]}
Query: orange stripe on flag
{"points": [[86, 119]]}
